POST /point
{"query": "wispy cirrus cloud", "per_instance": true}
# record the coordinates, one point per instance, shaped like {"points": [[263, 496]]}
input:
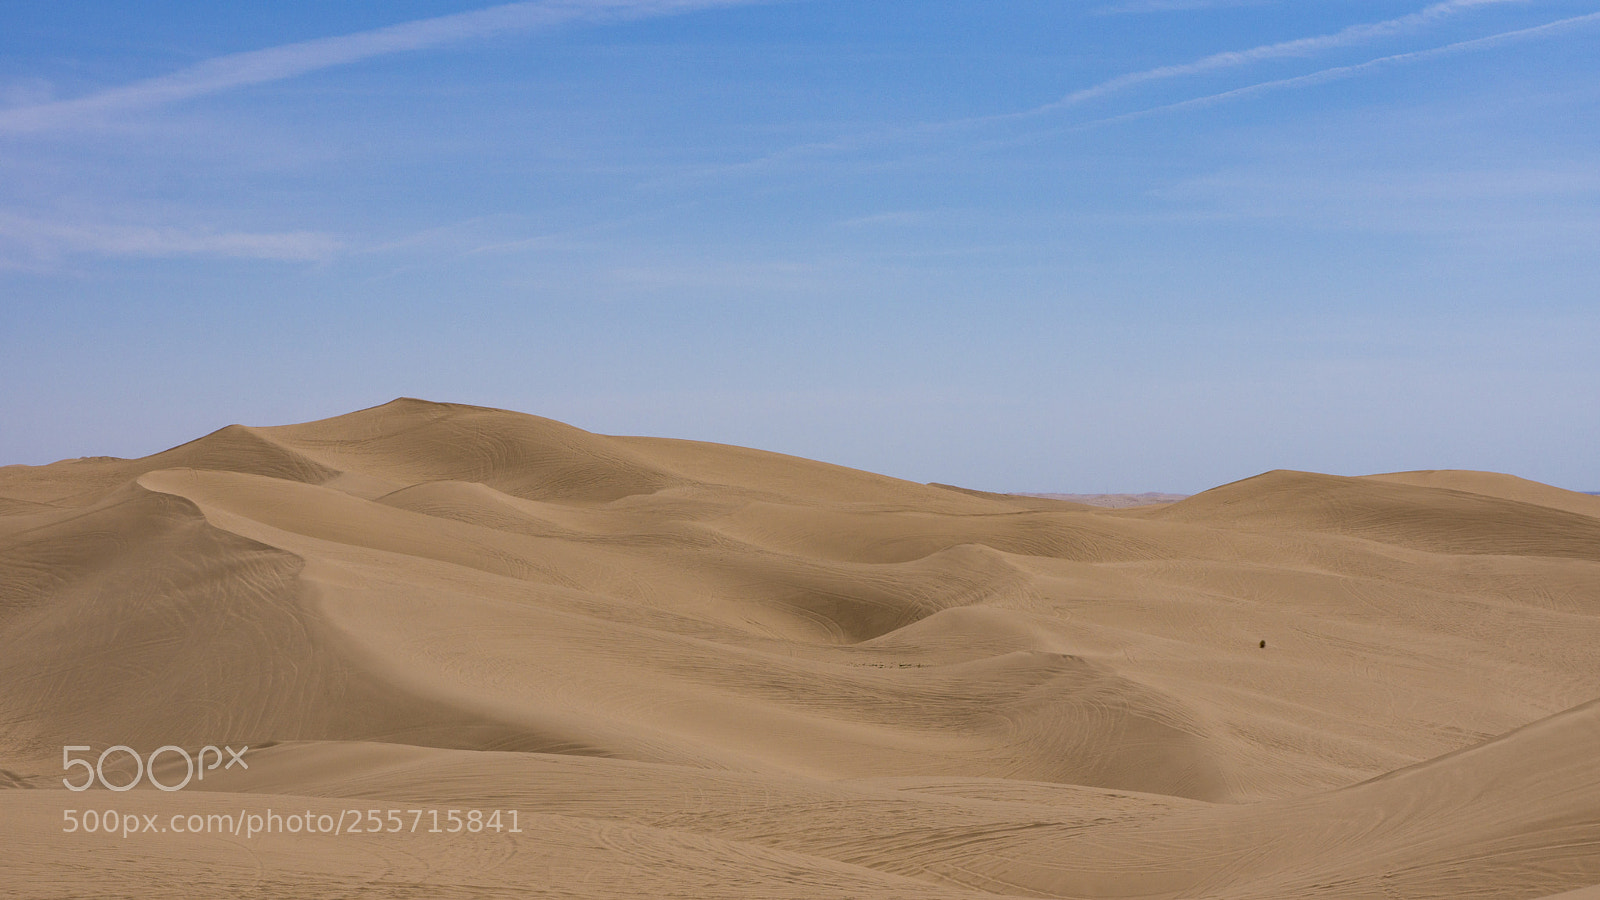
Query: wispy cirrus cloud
{"points": [[46, 239], [1353, 35], [238, 70], [1336, 73]]}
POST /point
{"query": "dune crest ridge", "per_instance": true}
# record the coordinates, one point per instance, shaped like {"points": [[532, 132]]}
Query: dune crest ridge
{"points": [[715, 671]]}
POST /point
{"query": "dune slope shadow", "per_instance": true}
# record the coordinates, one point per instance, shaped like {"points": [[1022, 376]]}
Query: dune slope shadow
{"points": [[1295, 685]]}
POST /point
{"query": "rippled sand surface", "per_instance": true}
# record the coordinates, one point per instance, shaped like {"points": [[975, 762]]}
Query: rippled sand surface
{"points": [[695, 670]]}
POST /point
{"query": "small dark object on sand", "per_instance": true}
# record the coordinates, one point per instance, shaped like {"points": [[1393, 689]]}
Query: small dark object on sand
{"points": [[1263, 645]]}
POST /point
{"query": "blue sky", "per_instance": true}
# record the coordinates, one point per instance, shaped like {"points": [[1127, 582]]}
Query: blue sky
{"points": [[1080, 246]]}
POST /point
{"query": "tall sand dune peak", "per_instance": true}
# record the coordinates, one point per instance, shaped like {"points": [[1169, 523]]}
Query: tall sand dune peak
{"points": [[712, 671]]}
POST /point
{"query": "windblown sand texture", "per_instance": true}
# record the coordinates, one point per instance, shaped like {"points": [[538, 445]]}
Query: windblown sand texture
{"points": [[704, 671]]}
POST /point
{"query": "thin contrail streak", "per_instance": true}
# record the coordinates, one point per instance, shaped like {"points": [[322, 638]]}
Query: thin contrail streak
{"points": [[1299, 47], [1337, 73], [289, 60]]}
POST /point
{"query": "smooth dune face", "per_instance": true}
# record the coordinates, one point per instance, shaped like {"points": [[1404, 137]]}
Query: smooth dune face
{"points": [[704, 671]]}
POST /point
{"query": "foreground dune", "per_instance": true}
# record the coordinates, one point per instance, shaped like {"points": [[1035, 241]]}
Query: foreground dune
{"points": [[702, 671]]}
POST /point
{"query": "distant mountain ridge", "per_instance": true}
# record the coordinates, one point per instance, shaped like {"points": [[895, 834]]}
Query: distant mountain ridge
{"points": [[1114, 501]]}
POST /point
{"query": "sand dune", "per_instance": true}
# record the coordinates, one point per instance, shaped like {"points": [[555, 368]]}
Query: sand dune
{"points": [[699, 670]]}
